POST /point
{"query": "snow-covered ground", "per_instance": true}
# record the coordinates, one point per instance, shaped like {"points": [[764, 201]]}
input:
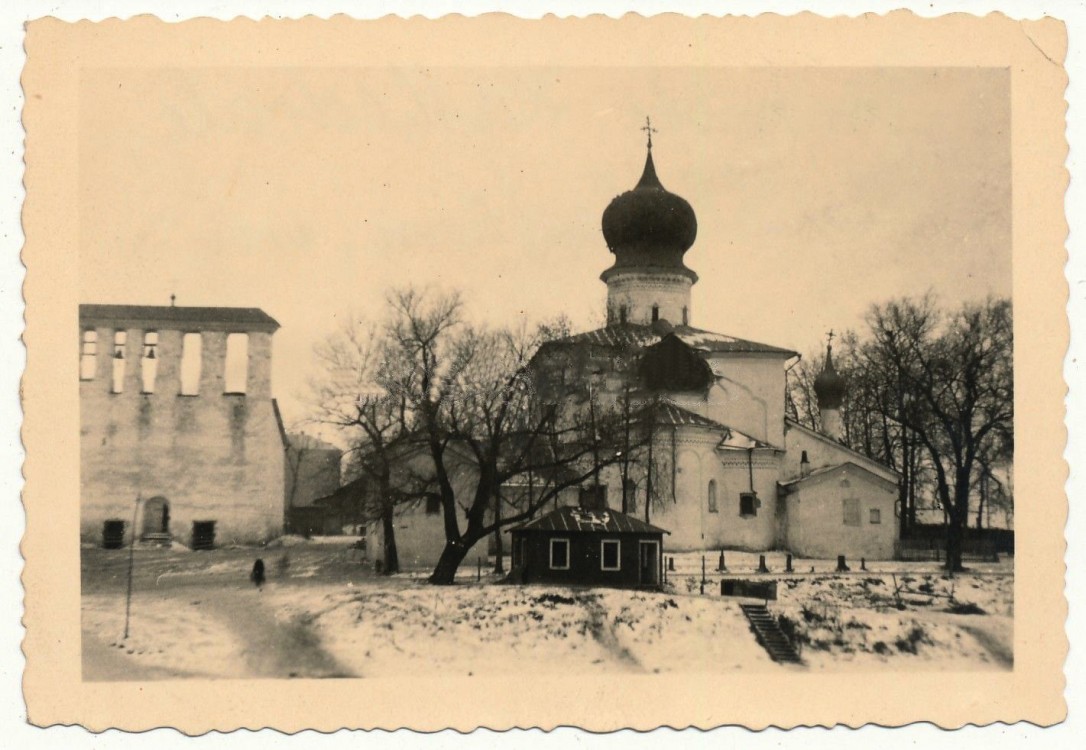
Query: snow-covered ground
{"points": [[324, 613], [491, 629]]}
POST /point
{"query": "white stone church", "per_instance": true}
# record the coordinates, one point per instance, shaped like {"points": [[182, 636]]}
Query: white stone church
{"points": [[728, 468], [731, 470]]}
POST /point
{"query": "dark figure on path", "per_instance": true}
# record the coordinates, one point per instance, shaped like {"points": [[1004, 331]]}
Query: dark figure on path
{"points": [[257, 576]]}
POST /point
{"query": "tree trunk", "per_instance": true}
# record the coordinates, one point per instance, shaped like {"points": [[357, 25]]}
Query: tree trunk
{"points": [[954, 547], [445, 572], [392, 558], [499, 549]]}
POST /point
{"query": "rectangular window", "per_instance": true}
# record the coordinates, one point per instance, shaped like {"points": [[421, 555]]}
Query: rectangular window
{"points": [[433, 505], [851, 506], [559, 554], [191, 355], [237, 363], [149, 361], [609, 554], [120, 339], [88, 355], [876, 515], [748, 504]]}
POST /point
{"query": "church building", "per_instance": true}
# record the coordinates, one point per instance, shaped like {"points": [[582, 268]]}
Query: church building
{"points": [[729, 469]]}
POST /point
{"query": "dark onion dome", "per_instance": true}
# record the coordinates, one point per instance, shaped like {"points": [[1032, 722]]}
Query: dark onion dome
{"points": [[829, 387], [649, 228]]}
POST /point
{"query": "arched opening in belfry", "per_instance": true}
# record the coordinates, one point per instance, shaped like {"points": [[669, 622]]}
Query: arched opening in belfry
{"points": [[149, 361], [191, 355], [120, 341], [236, 374], [156, 517], [88, 355]]}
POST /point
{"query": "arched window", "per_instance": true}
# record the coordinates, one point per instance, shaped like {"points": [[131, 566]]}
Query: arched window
{"points": [[237, 363], [712, 496], [655, 313], [622, 313], [686, 316], [192, 346], [149, 361], [120, 340]]}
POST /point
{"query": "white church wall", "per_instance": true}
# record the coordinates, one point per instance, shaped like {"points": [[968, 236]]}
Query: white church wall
{"points": [[817, 525], [748, 395], [692, 523]]}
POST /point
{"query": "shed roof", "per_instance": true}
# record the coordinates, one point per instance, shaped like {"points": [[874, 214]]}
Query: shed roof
{"points": [[590, 521], [171, 317]]}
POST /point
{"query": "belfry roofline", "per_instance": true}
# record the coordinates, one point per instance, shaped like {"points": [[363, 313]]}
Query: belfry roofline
{"points": [[170, 317]]}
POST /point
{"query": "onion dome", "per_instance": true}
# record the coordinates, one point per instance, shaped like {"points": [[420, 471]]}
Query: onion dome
{"points": [[648, 228], [829, 386]]}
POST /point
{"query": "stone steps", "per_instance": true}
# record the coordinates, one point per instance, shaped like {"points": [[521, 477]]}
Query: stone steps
{"points": [[769, 634]]}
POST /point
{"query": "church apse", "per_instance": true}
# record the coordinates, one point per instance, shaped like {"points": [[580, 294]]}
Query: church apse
{"points": [[181, 412]]}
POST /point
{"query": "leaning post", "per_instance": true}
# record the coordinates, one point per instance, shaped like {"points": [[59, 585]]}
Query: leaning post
{"points": [[131, 562]]}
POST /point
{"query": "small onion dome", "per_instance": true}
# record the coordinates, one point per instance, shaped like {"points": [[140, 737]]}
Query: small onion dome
{"points": [[649, 228], [829, 387]]}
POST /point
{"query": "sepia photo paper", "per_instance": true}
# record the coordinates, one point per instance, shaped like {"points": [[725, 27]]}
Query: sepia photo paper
{"points": [[491, 372]]}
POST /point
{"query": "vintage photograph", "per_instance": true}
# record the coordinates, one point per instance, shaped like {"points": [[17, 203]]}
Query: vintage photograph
{"points": [[551, 364], [499, 373]]}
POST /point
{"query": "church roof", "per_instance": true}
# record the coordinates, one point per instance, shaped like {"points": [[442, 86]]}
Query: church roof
{"points": [[669, 414], [854, 456], [626, 335], [827, 471], [597, 521]]}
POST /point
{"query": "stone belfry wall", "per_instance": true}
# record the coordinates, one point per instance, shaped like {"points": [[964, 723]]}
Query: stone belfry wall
{"points": [[211, 456]]}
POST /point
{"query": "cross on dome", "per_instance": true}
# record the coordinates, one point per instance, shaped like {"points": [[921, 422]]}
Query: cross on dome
{"points": [[649, 130]]}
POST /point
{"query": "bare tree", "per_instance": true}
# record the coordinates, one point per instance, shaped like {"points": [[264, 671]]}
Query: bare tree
{"points": [[361, 390], [473, 395], [952, 375]]}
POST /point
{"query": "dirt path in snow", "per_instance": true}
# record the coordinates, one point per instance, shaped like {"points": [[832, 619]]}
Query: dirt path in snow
{"points": [[273, 648], [601, 628]]}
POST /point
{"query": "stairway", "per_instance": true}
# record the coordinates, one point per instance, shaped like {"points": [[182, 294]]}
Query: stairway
{"points": [[769, 634]]}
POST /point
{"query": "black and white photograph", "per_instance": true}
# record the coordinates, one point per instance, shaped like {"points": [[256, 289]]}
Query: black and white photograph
{"points": [[541, 370]]}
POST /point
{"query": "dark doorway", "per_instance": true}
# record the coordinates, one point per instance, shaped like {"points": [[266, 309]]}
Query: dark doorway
{"points": [[203, 535], [156, 517], [649, 564]]}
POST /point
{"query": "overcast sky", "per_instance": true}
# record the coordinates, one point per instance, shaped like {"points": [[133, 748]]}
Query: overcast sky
{"points": [[309, 192]]}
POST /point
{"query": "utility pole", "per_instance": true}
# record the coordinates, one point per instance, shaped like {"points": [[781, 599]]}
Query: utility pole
{"points": [[131, 562]]}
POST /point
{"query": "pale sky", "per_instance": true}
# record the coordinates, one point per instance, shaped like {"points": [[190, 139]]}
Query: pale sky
{"points": [[308, 192]]}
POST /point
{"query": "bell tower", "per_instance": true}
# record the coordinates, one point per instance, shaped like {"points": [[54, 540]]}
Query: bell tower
{"points": [[649, 229]]}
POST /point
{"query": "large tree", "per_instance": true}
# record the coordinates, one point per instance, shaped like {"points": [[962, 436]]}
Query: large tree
{"points": [[472, 396], [361, 390], [950, 379]]}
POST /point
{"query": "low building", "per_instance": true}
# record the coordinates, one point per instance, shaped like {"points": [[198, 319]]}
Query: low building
{"points": [[311, 472], [579, 546]]}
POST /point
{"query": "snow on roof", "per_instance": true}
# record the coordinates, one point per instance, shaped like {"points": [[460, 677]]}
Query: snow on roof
{"points": [[629, 334], [670, 414], [858, 458], [170, 317], [584, 520], [827, 470]]}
